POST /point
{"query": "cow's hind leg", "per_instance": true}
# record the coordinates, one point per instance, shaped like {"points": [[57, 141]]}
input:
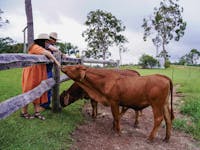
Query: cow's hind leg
{"points": [[136, 119], [158, 117], [123, 110], [116, 116], [168, 122], [94, 108]]}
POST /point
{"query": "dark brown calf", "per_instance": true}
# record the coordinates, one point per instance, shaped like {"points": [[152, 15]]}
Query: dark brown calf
{"points": [[74, 93]]}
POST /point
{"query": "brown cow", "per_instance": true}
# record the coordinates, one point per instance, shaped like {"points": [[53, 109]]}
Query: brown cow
{"points": [[135, 92], [75, 92]]}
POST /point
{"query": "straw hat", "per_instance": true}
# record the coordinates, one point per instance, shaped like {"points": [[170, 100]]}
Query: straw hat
{"points": [[53, 35], [42, 36]]}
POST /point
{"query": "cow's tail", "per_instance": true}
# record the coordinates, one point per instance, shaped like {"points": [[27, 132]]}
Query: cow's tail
{"points": [[171, 93]]}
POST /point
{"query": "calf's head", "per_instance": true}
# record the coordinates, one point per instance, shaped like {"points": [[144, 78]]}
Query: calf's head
{"points": [[64, 98]]}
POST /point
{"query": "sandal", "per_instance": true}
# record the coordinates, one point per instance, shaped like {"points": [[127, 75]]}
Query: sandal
{"points": [[26, 116], [39, 116]]}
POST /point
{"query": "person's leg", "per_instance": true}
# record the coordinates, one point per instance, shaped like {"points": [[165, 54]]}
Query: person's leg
{"points": [[37, 112], [49, 93], [24, 109]]}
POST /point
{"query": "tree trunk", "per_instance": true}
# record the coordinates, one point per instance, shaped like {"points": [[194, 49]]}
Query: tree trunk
{"points": [[120, 57], [29, 16]]}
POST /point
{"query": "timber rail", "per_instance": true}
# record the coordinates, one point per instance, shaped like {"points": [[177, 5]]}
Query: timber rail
{"points": [[12, 60]]}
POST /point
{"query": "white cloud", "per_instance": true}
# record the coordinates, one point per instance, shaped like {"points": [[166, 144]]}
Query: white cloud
{"points": [[67, 16], [14, 28]]}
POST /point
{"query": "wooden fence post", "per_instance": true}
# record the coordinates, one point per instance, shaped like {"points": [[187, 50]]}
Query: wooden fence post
{"points": [[56, 107]]}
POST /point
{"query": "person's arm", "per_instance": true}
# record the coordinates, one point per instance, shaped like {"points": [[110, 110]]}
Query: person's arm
{"points": [[49, 55], [52, 48], [55, 49]]}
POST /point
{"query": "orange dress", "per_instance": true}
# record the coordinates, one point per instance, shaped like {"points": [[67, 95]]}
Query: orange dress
{"points": [[33, 75]]}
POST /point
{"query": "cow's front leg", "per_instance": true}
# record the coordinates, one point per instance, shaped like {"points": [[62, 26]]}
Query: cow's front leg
{"points": [[116, 116]]}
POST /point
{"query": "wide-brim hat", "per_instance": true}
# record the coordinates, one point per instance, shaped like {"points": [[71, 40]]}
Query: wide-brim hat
{"points": [[54, 36], [42, 36]]}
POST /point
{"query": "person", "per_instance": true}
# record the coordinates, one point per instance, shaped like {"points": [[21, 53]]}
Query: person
{"points": [[33, 75], [50, 46]]}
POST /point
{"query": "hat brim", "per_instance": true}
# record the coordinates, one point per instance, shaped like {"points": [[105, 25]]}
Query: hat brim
{"points": [[52, 38], [42, 39]]}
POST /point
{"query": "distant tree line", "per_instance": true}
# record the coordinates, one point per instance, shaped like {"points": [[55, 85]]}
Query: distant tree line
{"points": [[191, 58], [8, 45]]}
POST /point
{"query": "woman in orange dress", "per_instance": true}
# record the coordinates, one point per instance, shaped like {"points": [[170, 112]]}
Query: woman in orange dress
{"points": [[33, 75]]}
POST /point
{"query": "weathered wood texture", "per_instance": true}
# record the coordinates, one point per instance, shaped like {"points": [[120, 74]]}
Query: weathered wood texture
{"points": [[109, 62], [13, 104], [64, 78], [8, 61], [56, 107]]}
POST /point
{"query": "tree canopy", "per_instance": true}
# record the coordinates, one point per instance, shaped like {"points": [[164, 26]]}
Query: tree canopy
{"points": [[68, 48], [103, 30], [165, 24], [190, 58], [147, 61], [8, 45]]}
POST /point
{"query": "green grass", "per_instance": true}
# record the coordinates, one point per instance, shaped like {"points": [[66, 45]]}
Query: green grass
{"points": [[54, 133], [188, 79]]}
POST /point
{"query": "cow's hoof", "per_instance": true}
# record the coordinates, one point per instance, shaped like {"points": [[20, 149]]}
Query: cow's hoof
{"points": [[166, 140], [150, 140], [136, 126], [117, 134]]}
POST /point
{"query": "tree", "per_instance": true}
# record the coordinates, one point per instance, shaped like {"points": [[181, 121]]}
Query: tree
{"points": [[190, 58], [29, 16], [2, 21], [103, 31], [165, 24], [68, 48], [147, 61], [8, 45], [5, 45]]}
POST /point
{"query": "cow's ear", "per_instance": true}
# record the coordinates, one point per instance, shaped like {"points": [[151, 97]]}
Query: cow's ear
{"points": [[82, 75]]}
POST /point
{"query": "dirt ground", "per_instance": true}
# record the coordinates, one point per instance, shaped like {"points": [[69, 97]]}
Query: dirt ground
{"points": [[98, 135]]}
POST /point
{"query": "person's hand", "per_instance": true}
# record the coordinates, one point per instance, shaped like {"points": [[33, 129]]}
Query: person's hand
{"points": [[53, 48], [58, 64]]}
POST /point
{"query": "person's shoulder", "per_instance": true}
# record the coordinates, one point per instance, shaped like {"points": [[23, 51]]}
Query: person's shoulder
{"points": [[36, 49]]}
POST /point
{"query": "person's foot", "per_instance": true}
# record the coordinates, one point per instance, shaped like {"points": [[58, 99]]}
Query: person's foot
{"points": [[39, 116], [26, 116]]}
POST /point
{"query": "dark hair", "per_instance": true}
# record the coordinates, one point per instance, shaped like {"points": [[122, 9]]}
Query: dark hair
{"points": [[40, 42]]}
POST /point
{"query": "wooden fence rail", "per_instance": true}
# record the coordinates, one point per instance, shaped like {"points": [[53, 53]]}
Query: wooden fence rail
{"points": [[9, 61]]}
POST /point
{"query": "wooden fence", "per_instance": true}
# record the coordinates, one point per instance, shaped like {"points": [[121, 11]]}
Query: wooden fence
{"points": [[9, 61]]}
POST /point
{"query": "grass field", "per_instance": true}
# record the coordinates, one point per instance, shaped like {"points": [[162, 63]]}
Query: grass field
{"points": [[54, 133]]}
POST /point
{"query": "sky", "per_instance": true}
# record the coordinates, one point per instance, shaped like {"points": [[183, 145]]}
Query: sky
{"points": [[67, 17]]}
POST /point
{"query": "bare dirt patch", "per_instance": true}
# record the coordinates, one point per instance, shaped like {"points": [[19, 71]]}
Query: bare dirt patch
{"points": [[98, 135]]}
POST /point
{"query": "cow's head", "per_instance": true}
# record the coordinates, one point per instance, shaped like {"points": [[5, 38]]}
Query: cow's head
{"points": [[75, 72]]}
